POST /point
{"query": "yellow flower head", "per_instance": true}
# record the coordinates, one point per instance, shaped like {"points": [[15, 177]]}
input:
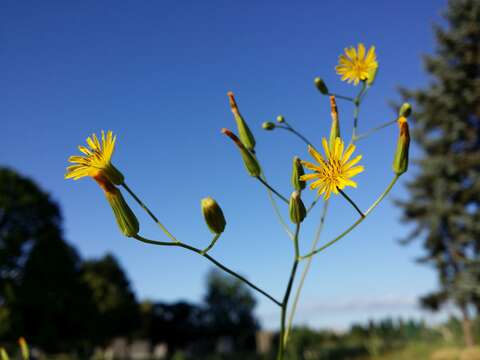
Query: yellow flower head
{"points": [[96, 161], [355, 65], [335, 170]]}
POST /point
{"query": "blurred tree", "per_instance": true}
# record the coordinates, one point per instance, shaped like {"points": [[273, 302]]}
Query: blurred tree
{"points": [[180, 325], [55, 306], [444, 199], [229, 310], [26, 214], [117, 313]]}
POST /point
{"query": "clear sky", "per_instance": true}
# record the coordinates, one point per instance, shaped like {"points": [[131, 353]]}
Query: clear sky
{"points": [[157, 73]]}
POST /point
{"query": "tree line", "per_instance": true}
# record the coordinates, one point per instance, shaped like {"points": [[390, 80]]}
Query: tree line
{"points": [[63, 303]]}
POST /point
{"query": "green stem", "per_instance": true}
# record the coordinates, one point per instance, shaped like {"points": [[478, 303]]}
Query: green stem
{"points": [[288, 127], [284, 306], [211, 259], [369, 132], [314, 202], [212, 244], [306, 269], [357, 101], [351, 202], [356, 223], [348, 98], [137, 199], [272, 189]]}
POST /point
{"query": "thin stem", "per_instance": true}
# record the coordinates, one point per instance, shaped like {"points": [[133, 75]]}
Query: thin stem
{"points": [[306, 269], [272, 189], [212, 244], [295, 132], [137, 199], [211, 259], [348, 98], [356, 223], [277, 210], [351, 202], [314, 202], [357, 101], [284, 306], [369, 132]]}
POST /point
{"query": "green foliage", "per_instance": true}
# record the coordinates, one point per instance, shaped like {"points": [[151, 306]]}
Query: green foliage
{"points": [[229, 309], [444, 198], [115, 304]]}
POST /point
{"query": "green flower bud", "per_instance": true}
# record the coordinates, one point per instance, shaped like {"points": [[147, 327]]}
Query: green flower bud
{"points": [[126, 219], [400, 161], [405, 110], [297, 208], [251, 164], [268, 125], [213, 215], [246, 136], [321, 86], [297, 171], [280, 119], [4, 354], [335, 127]]}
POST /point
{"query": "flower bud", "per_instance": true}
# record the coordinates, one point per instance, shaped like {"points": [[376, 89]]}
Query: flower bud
{"points": [[24, 348], [213, 215], [296, 208], [126, 219], [3, 354], [405, 110], [268, 125], [244, 132], [297, 171], [335, 127], [251, 164], [321, 86], [280, 119], [400, 161]]}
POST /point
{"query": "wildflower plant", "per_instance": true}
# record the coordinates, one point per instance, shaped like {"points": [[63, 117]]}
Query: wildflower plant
{"points": [[331, 173]]}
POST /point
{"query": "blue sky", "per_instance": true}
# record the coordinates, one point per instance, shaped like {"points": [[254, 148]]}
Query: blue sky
{"points": [[157, 73]]}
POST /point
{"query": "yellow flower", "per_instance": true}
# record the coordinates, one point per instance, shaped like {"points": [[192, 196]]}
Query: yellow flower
{"points": [[356, 66], [334, 171], [96, 160]]}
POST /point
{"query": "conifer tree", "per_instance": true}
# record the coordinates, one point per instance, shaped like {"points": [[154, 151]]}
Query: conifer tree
{"points": [[444, 195]]}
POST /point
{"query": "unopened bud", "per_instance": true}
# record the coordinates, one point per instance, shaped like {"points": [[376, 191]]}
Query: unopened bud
{"points": [[251, 164], [244, 132], [405, 110], [297, 171], [213, 215], [3, 354], [126, 219], [335, 127], [268, 125], [24, 348], [400, 161], [372, 74], [297, 208], [280, 119], [321, 86]]}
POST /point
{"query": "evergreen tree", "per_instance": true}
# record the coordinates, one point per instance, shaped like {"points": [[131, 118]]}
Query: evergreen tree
{"points": [[444, 201]]}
